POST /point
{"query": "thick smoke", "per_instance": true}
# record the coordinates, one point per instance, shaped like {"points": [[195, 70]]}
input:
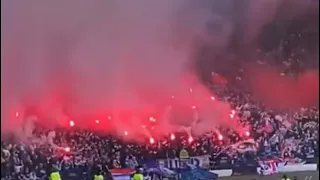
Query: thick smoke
{"points": [[284, 92], [94, 56], [84, 57]]}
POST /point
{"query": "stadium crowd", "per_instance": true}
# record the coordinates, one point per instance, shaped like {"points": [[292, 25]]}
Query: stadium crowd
{"points": [[284, 134]]}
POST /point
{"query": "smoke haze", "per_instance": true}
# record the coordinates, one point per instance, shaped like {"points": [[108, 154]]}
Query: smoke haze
{"points": [[102, 55], [113, 55]]}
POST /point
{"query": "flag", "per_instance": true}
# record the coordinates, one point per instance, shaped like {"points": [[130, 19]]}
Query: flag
{"points": [[245, 146]]}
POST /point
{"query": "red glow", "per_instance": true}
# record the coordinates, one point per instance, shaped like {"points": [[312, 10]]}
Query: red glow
{"points": [[152, 119], [218, 79], [231, 116], [67, 149], [71, 123], [143, 122], [220, 137], [172, 137], [284, 92], [151, 140]]}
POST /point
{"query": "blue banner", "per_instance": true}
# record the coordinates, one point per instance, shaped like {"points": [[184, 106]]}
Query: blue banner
{"points": [[197, 161]]}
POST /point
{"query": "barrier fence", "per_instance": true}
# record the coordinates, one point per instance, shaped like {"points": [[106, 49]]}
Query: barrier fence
{"points": [[232, 167], [226, 169]]}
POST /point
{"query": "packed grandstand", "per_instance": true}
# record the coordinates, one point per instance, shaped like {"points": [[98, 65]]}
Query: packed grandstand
{"points": [[265, 138]]}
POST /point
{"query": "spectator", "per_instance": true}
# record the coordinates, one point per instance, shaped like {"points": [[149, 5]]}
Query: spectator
{"points": [[284, 134]]}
